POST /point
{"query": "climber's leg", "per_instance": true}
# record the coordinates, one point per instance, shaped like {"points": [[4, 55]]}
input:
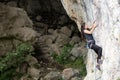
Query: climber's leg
{"points": [[98, 50]]}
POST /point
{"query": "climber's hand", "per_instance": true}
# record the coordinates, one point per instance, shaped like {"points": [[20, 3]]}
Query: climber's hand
{"points": [[95, 25]]}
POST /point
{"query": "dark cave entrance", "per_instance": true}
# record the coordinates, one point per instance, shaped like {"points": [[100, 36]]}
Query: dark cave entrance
{"points": [[49, 12]]}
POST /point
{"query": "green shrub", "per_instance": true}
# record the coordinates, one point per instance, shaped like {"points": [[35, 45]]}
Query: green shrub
{"points": [[78, 64], [12, 60], [64, 54], [10, 74], [61, 79], [63, 58]]}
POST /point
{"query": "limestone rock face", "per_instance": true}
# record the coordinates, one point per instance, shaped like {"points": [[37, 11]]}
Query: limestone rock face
{"points": [[107, 34]]}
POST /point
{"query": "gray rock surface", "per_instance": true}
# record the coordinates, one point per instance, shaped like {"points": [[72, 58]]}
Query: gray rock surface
{"points": [[76, 78], [76, 52], [74, 40], [15, 27], [31, 60], [65, 30], [34, 73], [70, 73], [107, 34], [53, 76]]}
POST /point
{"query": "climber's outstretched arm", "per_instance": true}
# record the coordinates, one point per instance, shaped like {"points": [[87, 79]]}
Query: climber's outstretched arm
{"points": [[91, 30], [93, 24]]}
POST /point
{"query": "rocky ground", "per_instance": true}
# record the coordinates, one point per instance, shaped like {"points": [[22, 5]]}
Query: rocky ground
{"points": [[48, 32]]}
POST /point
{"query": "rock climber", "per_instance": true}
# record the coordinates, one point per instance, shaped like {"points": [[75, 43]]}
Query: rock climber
{"points": [[86, 32]]}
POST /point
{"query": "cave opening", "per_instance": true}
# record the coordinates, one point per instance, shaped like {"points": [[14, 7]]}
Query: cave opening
{"points": [[50, 13]]}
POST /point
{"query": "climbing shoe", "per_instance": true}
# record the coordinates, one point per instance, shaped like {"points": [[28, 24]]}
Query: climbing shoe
{"points": [[99, 61], [98, 67]]}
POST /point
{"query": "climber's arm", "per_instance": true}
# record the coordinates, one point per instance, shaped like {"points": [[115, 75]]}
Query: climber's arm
{"points": [[91, 30], [92, 25]]}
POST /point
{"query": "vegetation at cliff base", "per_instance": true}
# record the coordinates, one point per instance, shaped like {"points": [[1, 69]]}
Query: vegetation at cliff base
{"points": [[12, 60], [64, 59]]}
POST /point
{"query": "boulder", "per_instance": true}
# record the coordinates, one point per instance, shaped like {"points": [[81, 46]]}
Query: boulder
{"points": [[70, 73], [25, 34], [48, 39], [6, 46], [15, 22], [73, 58], [76, 78], [53, 76], [55, 48], [56, 32], [65, 30], [76, 52], [50, 31], [25, 77], [34, 73], [62, 39], [31, 60], [74, 40], [15, 28]]}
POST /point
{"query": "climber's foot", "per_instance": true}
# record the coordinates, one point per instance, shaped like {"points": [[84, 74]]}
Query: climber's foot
{"points": [[99, 61], [98, 67]]}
